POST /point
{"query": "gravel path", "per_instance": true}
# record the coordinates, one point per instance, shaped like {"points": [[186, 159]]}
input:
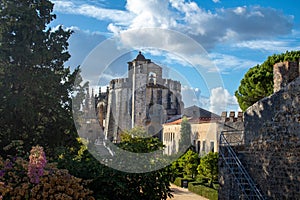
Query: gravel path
{"points": [[183, 194]]}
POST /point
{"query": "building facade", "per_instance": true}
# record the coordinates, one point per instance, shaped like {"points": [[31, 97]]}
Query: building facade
{"points": [[205, 130], [144, 99]]}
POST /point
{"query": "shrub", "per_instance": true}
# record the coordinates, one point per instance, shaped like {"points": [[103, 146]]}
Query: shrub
{"points": [[208, 167], [203, 190], [54, 183]]}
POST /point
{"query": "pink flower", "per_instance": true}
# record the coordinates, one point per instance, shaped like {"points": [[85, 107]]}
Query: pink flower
{"points": [[37, 162]]}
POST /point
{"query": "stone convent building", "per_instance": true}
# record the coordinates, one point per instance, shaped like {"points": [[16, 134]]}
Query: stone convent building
{"points": [[144, 98]]}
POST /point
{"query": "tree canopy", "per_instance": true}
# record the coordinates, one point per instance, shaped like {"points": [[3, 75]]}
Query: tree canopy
{"points": [[123, 185], [185, 135], [35, 86], [187, 164], [208, 167], [258, 80]]}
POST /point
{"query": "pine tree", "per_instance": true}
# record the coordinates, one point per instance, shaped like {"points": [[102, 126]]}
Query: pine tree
{"points": [[258, 81]]}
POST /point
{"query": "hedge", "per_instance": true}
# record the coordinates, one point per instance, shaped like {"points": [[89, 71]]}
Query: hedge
{"points": [[203, 190]]}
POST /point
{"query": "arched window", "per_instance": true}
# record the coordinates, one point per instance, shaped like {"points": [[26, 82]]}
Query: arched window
{"points": [[152, 78]]}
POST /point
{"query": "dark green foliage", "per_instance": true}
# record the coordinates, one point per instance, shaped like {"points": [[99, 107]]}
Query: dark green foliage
{"points": [[185, 133], [138, 141], [113, 184], [35, 101], [186, 165], [203, 190], [108, 183], [258, 81], [208, 167]]}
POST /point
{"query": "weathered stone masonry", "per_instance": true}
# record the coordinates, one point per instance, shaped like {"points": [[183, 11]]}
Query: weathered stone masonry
{"points": [[272, 138], [144, 98], [271, 153]]}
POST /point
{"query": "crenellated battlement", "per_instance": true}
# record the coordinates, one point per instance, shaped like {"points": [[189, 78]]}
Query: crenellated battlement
{"points": [[232, 117], [119, 83], [172, 85]]}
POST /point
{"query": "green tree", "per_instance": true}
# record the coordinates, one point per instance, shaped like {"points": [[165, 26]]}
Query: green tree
{"points": [[258, 81], [36, 88], [208, 167], [123, 185], [152, 185], [185, 135], [186, 164]]}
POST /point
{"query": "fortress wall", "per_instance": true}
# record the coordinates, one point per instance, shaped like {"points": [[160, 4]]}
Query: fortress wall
{"points": [[272, 141], [271, 153]]}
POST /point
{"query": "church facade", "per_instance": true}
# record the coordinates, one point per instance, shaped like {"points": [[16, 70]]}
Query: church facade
{"points": [[144, 99]]}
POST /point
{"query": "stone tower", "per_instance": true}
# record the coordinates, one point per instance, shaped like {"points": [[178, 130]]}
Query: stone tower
{"points": [[284, 73], [144, 98]]}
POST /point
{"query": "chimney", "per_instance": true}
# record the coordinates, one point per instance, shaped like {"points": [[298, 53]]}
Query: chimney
{"points": [[284, 73]]}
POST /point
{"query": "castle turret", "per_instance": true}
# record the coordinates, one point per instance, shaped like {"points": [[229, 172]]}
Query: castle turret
{"points": [[284, 73]]}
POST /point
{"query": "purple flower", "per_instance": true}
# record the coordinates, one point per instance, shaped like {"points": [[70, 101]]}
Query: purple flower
{"points": [[8, 165], [37, 162], [2, 172]]}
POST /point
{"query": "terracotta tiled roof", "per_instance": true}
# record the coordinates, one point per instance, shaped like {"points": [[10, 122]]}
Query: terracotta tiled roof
{"points": [[196, 115]]}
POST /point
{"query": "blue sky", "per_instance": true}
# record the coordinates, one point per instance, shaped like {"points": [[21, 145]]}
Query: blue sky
{"points": [[233, 35]]}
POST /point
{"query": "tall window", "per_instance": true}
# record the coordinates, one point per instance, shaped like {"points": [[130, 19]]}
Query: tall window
{"points": [[203, 145], [212, 146], [198, 146]]}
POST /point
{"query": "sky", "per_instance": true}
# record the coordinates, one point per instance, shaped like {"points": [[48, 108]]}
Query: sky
{"points": [[208, 45]]}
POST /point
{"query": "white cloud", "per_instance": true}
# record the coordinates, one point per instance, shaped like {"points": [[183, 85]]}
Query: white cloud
{"points": [[221, 100], [149, 14], [269, 45], [99, 13], [192, 96], [229, 62], [216, 1], [238, 24], [240, 10]]}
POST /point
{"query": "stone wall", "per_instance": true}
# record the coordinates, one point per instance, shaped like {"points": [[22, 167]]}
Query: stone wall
{"points": [[143, 98], [284, 73], [272, 143], [232, 125], [271, 150]]}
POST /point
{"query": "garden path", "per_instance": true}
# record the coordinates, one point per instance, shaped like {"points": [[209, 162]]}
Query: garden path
{"points": [[184, 194]]}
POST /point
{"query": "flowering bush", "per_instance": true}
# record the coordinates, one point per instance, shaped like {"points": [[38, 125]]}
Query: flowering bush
{"points": [[37, 162], [20, 179]]}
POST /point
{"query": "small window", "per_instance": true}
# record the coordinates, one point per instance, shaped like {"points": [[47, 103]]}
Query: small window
{"points": [[152, 78], [212, 146], [204, 146]]}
